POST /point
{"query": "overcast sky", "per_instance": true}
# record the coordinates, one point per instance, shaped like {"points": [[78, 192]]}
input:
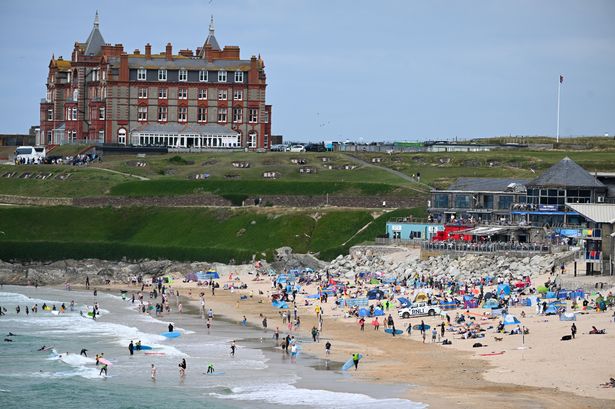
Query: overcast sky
{"points": [[376, 70]]}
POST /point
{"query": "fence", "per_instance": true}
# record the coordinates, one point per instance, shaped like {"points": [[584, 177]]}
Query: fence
{"points": [[498, 247]]}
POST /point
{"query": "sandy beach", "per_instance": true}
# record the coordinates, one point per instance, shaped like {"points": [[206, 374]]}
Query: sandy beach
{"points": [[542, 372]]}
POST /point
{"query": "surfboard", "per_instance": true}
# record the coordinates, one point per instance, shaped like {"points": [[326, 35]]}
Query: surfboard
{"points": [[55, 312], [493, 353], [213, 374], [104, 361], [173, 334], [417, 327], [143, 348], [350, 363], [390, 331]]}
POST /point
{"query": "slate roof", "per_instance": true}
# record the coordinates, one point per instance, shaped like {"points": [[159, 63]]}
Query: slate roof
{"points": [[485, 184], [95, 40], [175, 128], [139, 61], [566, 173], [599, 213]]}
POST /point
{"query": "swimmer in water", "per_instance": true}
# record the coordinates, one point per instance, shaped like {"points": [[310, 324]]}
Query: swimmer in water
{"points": [[153, 372], [182, 367]]}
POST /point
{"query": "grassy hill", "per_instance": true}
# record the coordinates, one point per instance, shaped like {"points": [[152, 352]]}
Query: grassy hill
{"points": [[55, 233]]}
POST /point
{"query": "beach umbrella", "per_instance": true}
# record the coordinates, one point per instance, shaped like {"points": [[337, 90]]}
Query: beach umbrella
{"points": [[510, 319]]}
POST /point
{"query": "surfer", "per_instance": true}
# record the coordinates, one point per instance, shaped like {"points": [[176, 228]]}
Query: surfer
{"points": [[170, 327], [233, 348], [210, 368], [153, 372], [103, 369], [355, 360], [131, 348], [42, 348], [84, 352], [138, 345], [182, 367], [97, 358]]}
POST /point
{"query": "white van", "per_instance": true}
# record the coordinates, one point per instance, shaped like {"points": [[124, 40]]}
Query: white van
{"points": [[30, 154]]}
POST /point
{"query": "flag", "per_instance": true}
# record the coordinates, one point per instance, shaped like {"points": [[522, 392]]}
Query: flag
{"points": [[561, 78]]}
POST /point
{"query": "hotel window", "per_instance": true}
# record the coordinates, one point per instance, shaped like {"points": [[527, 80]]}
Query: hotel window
{"points": [[203, 93], [202, 115], [74, 113], [183, 75], [141, 74], [162, 114], [238, 95], [505, 202], [222, 95], [222, 76], [237, 115], [182, 93], [222, 112], [142, 93], [50, 114], [266, 117], [182, 114], [95, 74], [462, 201], [254, 116], [142, 114], [238, 76], [162, 93], [441, 201], [101, 135], [203, 76], [101, 113], [162, 75]]}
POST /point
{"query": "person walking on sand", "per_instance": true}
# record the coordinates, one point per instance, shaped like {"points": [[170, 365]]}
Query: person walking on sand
{"points": [[233, 347], [153, 372], [362, 323], [314, 333], [424, 336], [573, 330], [355, 361], [328, 348], [434, 334]]}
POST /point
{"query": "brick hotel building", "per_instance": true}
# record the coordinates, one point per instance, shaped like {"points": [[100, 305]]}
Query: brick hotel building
{"points": [[210, 98]]}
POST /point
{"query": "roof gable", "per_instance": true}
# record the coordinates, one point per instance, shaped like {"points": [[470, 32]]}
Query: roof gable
{"points": [[566, 173]]}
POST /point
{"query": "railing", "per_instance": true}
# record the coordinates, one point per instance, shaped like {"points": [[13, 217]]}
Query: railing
{"points": [[498, 247]]}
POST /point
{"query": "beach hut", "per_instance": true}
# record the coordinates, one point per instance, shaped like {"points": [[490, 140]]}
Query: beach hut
{"points": [[510, 319]]}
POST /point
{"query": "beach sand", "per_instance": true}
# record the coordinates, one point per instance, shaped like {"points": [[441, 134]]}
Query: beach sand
{"points": [[544, 372]]}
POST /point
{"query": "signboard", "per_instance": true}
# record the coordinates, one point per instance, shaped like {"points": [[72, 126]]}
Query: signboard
{"points": [[547, 208], [396, 227]]}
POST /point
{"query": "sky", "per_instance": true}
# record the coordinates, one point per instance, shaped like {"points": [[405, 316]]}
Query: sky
{"points": [[380, 70]]}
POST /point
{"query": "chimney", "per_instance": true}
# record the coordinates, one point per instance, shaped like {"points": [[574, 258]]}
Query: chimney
{"points": [[186, 53], [148, 51], [123, 67], [137, 51], [169, 52]]}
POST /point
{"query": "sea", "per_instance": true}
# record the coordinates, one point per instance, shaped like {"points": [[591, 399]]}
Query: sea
{"points": [[258, 376]]}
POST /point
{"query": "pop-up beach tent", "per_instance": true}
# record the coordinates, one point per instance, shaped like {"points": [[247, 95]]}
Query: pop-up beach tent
{"points": [[503, 289], [510, 319], [421, 297], [375, 294], [212, 275], [491, 303]]}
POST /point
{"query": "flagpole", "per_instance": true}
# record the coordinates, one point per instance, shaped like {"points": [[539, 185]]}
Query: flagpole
{"points": [[559, 86]]}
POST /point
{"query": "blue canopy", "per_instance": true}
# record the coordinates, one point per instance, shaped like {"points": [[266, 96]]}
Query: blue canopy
{"points": [[210, 275], [363, 312], [378, 312], [503, 289], [491, 303], [279, 304], [510, 319], [404, 302]]}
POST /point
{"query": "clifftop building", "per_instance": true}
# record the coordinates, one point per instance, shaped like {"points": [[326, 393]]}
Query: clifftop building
{"points": [[209, 98]]}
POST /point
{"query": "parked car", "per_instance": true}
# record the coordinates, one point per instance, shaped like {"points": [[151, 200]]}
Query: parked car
{"points": [[315, 147], [279, 148], [419, 310], [297, 148]]}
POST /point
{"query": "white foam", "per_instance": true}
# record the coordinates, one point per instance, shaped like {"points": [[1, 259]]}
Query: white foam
{"points": [[87, 373], [285, 394]]}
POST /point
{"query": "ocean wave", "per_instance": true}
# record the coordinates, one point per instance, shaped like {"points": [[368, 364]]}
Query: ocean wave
{"points": [[285, 394]]}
